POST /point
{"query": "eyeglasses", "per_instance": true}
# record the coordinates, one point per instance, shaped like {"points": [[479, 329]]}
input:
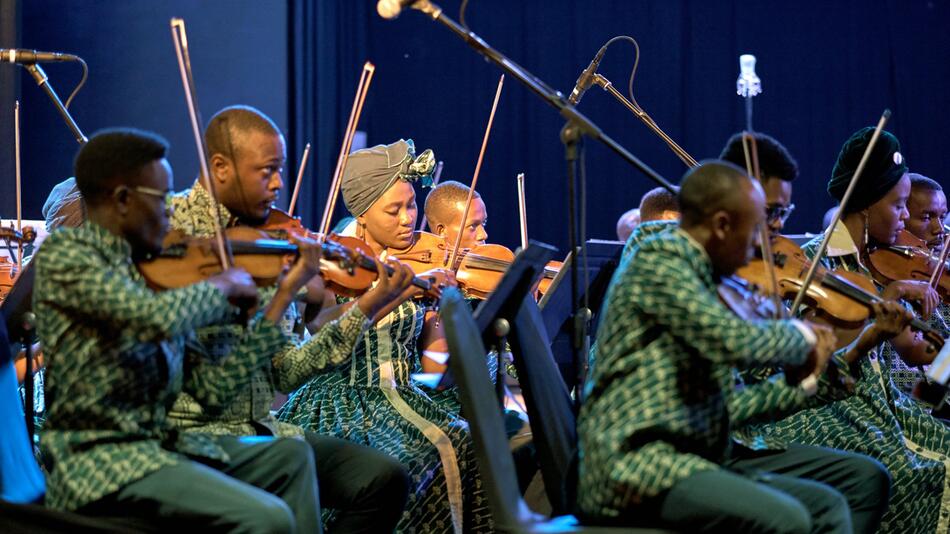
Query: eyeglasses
{"points": [[778, 213], [166, 196]]}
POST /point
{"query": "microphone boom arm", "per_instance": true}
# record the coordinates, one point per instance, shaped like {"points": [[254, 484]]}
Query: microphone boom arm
{"points": [[541, 89], [43, 81]]}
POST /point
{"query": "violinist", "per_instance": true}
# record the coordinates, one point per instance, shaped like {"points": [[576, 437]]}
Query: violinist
{"points": [[927, 208], [373, 400], [653, 430], [627, 222], [837, 469], [115, 350], [659, 210], [778, 170], [879, 420], [366, 489], [443, 208]]}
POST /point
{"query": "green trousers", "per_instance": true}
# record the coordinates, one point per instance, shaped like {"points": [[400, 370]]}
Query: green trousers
{"points": [[269, 486], [800, 490]]}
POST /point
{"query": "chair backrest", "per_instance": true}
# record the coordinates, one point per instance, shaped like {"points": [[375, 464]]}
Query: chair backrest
{"points": [[549, 404], [477, 394], [20, 478]]}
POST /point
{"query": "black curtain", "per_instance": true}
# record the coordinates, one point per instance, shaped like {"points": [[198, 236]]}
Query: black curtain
{"points": [[328, 42], [9, 93], [828, 68]]}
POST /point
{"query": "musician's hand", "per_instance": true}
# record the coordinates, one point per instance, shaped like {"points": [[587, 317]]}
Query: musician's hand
{"points": [[438, 279], [389, 291], [235, 283], [890, 319], [305, 270], [818, 358], [918, 292]]}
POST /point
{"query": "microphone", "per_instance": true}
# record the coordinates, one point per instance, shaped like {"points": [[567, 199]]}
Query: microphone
{"points": [[748, 84], [586, 78], [22, 56], [390, 9]]}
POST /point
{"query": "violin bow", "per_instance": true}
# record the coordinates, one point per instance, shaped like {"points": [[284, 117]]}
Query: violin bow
{"points": [[303, 167], [366, 77], [522, 211], [751, 152], [435, 181], [478, 168], [941, 263], [180, 39], [19, 204], [837, 217]]}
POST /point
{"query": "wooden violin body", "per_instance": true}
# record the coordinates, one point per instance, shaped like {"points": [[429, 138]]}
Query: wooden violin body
{"points": [[478, 270], [908, 260], [349, 278]]}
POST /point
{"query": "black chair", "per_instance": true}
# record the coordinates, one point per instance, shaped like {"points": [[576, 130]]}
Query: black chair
{"points": [[495, 464]]}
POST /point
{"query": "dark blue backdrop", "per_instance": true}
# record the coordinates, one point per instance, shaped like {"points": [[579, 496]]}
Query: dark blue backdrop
{"points": [[828, 68]]}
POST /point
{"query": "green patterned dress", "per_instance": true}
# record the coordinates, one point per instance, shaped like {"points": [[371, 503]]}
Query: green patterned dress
{"points": [[883, 422], [372, 400]]}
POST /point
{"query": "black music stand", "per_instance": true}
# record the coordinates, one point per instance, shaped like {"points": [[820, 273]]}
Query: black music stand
{"points": [[495, 315], [603, 257]]}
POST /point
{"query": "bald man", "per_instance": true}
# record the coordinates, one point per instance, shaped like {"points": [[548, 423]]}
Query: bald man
{"points": [[654, 427]]}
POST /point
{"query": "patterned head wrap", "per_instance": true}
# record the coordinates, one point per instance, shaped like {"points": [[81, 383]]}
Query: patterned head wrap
{"points": [[372, 171]]}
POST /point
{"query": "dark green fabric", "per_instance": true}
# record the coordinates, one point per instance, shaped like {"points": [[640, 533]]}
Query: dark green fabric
{"points": [[884, 168], [114, 352], [267, 486]]}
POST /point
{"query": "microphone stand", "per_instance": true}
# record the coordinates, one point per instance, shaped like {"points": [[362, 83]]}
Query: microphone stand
{"points": [[603, 82], [43, 81], [574, 130]]}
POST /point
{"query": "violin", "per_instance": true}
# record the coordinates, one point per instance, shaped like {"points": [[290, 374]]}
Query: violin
{"points": [[184, 261], [479, 270], [843, 299], [908, 259], [351, 278], [744, 299], [10, 270]]}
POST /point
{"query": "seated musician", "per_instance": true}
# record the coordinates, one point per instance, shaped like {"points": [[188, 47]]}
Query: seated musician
{"points": [[444, 207], [627, 222], [879, 420], [365, 489], [373, 400], [115, 349], [659, 399], [659, 210], [927, 209]]}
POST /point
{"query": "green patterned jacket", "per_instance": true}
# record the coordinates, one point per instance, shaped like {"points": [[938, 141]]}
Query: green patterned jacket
{"points": [[660, 398], [114, 352], [766, 381], [292, 360]]}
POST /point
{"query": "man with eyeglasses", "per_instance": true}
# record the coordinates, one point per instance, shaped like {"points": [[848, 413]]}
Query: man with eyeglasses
{"points": [[115, 348], [778, 170], [839, 469]]}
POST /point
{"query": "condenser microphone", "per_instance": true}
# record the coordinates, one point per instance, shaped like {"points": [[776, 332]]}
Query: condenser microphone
{"points": [[22, 56], [586, 78]]}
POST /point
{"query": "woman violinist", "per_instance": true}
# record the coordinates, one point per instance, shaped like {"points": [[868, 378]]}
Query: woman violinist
{"points": [[880, 420], [372, 400]]}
